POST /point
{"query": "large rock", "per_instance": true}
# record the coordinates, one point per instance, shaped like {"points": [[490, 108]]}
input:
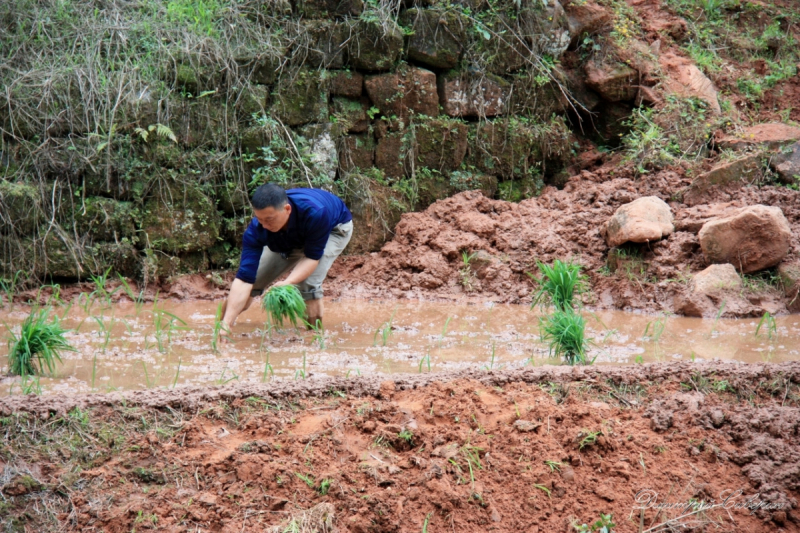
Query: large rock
{"points": [[350, 114], [464, 94], [723, 178], [712, 288], [645, 219], [323, 9], [390, 155], [614, 82], [356, 151], [105, 219], [19, 208], [323, 43], [683, 78], [408, 89], [346, 83], [716, 278], [772, 136], [586, 18], [787, 165], [441, 144], [180, 219], [301, 98], [789, 274], [374, 47], [751, 239], [320, 149], [437, 38]]}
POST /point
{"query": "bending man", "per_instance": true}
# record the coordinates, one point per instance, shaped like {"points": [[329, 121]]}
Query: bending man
{"points": [[304, 230]]}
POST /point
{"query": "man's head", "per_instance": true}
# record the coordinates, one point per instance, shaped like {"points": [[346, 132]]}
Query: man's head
{"points": [[271, 206]]}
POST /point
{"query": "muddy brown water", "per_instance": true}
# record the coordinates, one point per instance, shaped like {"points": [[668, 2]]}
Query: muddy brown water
{"points": [[367, 337]]}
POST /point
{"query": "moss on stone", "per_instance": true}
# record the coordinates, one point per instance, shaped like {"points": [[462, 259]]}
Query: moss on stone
{"points": [[375, 47], [20, 210], [104, 219], [301, 98], [180, 219]]}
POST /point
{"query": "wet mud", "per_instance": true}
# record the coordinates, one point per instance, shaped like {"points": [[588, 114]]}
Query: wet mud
{"points": [[540, 449]]}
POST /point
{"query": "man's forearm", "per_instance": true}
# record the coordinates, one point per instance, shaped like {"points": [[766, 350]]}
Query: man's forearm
{"points": [[237, 299], [304, 268]]}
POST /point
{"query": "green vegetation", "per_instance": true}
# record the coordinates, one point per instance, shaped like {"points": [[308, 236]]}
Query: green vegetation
{"points": [[38, 346], [603, 525], [564, 332], [284, 302], [768, 322], [559, 284]]}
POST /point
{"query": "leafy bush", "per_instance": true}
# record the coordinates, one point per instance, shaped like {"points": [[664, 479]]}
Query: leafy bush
{"points": [[284, 302], [38, 346], [564, 332], [559, 284]]}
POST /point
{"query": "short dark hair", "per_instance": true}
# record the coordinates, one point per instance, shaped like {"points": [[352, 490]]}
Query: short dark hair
{"points": [[269, 195]]}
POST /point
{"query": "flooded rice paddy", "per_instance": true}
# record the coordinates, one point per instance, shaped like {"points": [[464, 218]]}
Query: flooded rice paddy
{"points": [[124, 346]]}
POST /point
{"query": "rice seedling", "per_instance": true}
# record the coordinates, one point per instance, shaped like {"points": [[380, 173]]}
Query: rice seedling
{"points": [[564, 332], [559, 284], [218, 326], [222, 380], [284, 302], [101, 287], [542, 488], [426, 359], [105, 330], [385, 331], [444, 331], [38, 346], [9, 288], [147, 382], [555, 466], [177, 373], [30, 385], [716, 320], [301, 372], [94, 368], [490, 366], [318, 333], [137, 299], [165, 325], [767, 321], [267, 368], [465, 272]]}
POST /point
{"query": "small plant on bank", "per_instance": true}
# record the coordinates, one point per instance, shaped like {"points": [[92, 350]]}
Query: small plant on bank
{"points": [[603, 525], [465, 272], [559, 284], [38, 346], [284, 302], [564, 332]]}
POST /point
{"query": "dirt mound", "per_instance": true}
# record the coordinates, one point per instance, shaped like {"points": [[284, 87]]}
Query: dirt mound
{"points": [[425, 259], [535, 450]]}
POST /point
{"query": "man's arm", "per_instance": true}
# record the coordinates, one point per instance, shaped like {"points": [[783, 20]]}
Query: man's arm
{"points": [[304, 268], [235, 304]]}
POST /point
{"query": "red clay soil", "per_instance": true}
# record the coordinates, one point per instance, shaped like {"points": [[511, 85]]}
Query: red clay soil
{"points": [[424, 258], [463, 452]]}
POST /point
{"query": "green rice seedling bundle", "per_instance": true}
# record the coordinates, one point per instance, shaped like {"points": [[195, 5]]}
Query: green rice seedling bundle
{"points": [[38, 346], [564, 332], [284, 302], [559, 284]]}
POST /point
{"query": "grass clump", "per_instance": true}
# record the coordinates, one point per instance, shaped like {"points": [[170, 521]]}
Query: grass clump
{"points": [[284, 302], [559, 284], [38, 346], [564, 332]]}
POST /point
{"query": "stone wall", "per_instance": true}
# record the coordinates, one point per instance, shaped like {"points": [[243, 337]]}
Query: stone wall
{"points": [[392, 105]]}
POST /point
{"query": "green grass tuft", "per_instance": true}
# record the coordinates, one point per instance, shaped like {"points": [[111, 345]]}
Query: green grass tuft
{"points": [[564, 332], [559, 284], [284, 302], [38, 346]]}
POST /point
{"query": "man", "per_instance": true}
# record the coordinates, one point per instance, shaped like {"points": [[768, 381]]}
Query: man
{"points": [[304, 230]]}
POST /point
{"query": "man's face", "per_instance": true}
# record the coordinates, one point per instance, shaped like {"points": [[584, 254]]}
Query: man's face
{"points": [[273, 219]]}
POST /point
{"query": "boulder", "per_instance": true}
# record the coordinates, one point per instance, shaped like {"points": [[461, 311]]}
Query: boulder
{"points": [[180, 219], [529, 97], [323, 43], [19, 208], [104, 219], [614, 82], [465, 94], [586, 18], [346, 83], [437, 37], [390, 155], [771, 136], [683, 78], [708, 290], [752, 239], [504, 148], [645, 219], [374, 47], [787, 165], [301, 98], [441, 144], [789, 274], [323, 9], [350, 114], [406, 90], [356, 151], [725, 177]]}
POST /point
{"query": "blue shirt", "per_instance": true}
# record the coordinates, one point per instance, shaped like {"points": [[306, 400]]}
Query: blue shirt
{"points": [[314, 214]]}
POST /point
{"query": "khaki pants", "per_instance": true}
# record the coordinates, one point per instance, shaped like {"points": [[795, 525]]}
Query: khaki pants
{"points": [[273, 265]]}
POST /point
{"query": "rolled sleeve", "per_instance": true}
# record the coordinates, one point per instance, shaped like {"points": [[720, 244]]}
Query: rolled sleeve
{"points": [[252, 249]]}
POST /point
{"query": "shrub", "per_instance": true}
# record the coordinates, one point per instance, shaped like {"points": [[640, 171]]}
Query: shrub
{"points": [[284, 302], [38, 346]]}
